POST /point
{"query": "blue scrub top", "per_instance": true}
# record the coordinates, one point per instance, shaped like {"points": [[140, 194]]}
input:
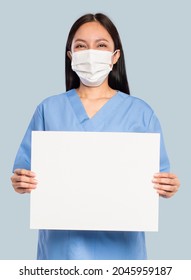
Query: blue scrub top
{"points": [[65, 112]]}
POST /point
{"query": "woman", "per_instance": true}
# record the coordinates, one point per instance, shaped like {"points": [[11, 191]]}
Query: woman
{"points": [[97, 99]]}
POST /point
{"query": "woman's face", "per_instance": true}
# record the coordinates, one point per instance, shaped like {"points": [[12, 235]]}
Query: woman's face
{"points": [[92, 35]]}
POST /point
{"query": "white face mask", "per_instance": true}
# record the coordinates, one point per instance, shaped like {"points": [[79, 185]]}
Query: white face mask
{"points": [[92, 66]]}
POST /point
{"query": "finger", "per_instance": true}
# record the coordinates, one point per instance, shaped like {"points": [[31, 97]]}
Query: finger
{"points": [[24, 185], [167, 188], [24, 182], [24, 172], [165, 194], [24, 179], [164, 181], [165, 175], [22, 191]]}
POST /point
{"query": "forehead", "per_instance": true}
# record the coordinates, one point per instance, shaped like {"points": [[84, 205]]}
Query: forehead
{"points": [[92, 31]]}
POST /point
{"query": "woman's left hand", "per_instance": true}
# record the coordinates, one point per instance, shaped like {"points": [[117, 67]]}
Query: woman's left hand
{"points": [[166, 184]]}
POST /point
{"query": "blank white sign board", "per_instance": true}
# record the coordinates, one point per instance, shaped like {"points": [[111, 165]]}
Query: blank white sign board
{"points": [[95, 181]]}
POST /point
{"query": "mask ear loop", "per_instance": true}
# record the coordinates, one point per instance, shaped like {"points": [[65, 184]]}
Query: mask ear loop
{"points": [[113, 55], [115, 52]]}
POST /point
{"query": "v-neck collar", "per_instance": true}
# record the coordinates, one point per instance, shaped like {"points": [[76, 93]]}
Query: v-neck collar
{"points": [[99, 116]]}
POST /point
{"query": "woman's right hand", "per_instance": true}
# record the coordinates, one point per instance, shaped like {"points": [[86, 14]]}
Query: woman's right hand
{"points": [[23, 181]]}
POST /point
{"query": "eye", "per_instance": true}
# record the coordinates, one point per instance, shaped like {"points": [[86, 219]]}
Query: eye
{"points": [[102, 45], [80, 46]]}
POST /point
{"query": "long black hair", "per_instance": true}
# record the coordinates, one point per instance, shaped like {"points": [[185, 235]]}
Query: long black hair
{"points": [[117, 77]]}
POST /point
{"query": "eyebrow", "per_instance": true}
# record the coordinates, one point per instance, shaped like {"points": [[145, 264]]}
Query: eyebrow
{"points": [[98, 40]]}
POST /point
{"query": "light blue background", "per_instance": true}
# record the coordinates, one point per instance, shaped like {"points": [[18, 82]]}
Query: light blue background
{"points": [[157, 46]]}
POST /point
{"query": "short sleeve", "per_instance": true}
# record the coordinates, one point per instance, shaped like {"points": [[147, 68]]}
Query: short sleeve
{"points": [[155, 127], [23, 157]]}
